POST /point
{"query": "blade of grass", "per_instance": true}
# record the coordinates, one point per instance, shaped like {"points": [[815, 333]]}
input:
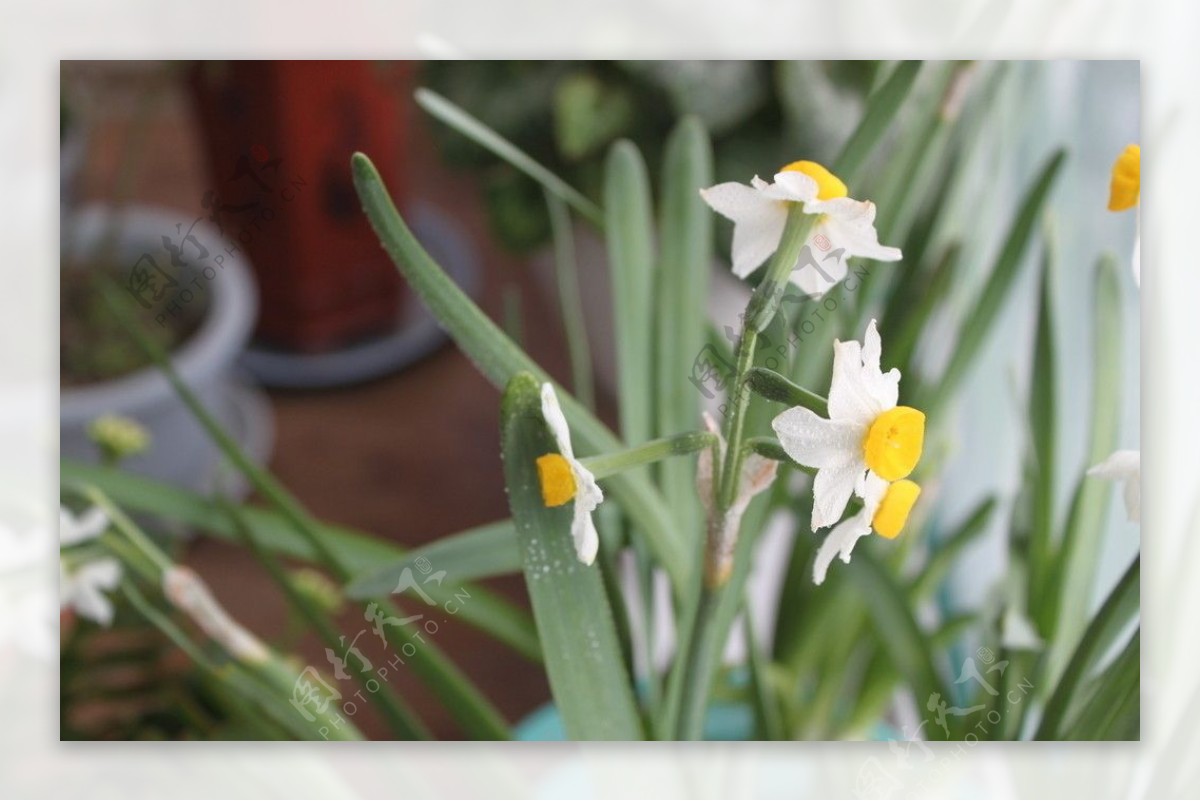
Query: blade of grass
{"points": [[1113, 708], [473, 129], [882, 106], [1043, 410], [630, 237], [570, 303], [1081, 545], [481, 552], [497, 358], [583, 657], [1113, 617], [685, 259]]}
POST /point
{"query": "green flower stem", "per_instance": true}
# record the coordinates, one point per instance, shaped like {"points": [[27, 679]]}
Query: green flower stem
{"points": [[692, 691], [772, 386], [759, 313], [655, 450]]}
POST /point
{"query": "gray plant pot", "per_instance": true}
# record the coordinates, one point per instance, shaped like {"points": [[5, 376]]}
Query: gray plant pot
{"points": [[181, 452]]}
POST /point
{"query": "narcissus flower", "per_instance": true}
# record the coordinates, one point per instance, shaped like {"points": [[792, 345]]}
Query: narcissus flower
{"points": [[759, 213], [757, 474], [885, 510], [866, 430], [73, 530], [1125, 192], [82, 586], [563, 478], [1125, 466]]}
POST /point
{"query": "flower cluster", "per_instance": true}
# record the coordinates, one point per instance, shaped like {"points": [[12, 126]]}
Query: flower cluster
{"points": [[867, 446]]}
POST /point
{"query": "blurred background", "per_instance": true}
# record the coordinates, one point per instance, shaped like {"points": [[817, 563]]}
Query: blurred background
{"points": [[220, 195]]}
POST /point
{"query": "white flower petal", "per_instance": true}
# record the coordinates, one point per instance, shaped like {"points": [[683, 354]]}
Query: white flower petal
{"points": [[84, 589], [816, 281], [1125, 466], [832, 489], [583, 531], [556, 421], [73, 530], [758, 223], [841, 542], [796, 187], [850, 224], [859, 392], [814, 441]]}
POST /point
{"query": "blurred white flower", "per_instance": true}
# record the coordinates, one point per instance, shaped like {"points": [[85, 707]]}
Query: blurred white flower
{"points": [[84, 588], [1125, 466], [562, 478], [759, 213], [866, 430], [885, 510], [757, 474], [73, 530]]}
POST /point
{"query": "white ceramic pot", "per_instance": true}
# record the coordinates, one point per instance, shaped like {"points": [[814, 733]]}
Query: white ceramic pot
{"points": [[181, 452]]}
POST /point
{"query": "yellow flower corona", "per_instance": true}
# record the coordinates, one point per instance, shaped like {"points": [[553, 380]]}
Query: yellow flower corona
{"points": [[557, 480], [1126, 187], [829, 186], [893, 510], [892, 446]]}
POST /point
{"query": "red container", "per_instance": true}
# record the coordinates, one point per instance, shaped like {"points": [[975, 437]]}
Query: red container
{"points": [[278, 137]]}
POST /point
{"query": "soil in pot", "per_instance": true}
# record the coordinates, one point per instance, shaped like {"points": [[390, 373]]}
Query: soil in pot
{"points": [[93, 344]]}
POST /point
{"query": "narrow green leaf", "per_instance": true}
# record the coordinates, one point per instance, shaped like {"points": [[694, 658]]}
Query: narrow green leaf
{"points": [[1112, 710], [1043, 409], [685, 260], [481, 552], [1081, 545], [1113, 617], [473, 129], [610, 464], [949, 549], [910, 649], [766, 705], [882, 106], [977, 323], [498, 359], [570, 302], [360, 552], [582, 653], [630, 234]]}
